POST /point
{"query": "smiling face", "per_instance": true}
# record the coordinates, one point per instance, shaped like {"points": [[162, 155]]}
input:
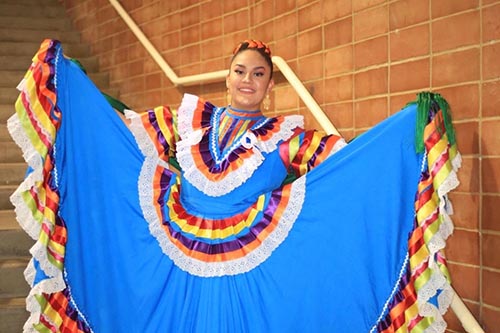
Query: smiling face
{"points": [[249, 80]]}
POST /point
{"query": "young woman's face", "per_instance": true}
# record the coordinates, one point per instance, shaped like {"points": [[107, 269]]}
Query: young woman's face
{"points": [[249, 80]]}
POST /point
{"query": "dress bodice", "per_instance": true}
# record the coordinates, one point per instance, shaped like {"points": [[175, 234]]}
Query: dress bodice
{"points": [[268, 176], [230, 137]]}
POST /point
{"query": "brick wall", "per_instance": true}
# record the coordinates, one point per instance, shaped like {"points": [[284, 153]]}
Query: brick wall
{"points": [[362, 60]]}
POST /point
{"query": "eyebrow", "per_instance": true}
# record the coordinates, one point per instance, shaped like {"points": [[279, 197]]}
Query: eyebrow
{"points": [[258, 67]]}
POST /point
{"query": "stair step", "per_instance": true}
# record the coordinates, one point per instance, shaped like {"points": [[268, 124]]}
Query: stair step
{"points": [[10, 79], [13, 314], [5, 193], [13, 283], [75, 50], [8, 96], [4, 134], [11, 153], [15, 243], [31, 2], [35, 23], [6, 111], [32, 10], [8, 220], [22, 63], [12, 173], [13, 63], [30, 35]]}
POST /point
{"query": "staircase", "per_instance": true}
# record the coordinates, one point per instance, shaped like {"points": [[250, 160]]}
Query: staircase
{"points": [[23, 26]]}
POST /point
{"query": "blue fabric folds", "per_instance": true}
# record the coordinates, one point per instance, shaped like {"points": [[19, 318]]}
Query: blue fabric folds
{"points": [[335, 272]]}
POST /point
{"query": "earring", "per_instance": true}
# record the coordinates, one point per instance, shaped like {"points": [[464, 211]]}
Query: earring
{"points": [[266, 103], [228, 97]]}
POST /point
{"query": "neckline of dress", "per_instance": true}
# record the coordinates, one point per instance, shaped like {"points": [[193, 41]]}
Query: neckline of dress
{"points": [[220, 155], [238, 113]]}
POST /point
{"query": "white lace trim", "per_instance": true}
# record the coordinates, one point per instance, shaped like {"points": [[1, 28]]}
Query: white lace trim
{"points": [[185, 115], [23, 213], [140, 134], [232, 267], [437, 281], [338, 146], [224, 185], [54, 281], [50, 285]]}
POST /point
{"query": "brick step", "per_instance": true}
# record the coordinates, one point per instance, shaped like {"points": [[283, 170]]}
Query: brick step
{"points": [[5, 193], [33, 2], [12, 78], [13, 63], [15, 243], [4, 134], [12, 173], [35, 23], [11, 153], [22, 63], [32, 10], [8, 220], [13, 283], [28, 49], [13, 314], [8, 96], [6, 111], [27, 35]]}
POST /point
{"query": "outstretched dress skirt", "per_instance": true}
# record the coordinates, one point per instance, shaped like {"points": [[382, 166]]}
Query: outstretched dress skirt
{"points": [[358, 247]]}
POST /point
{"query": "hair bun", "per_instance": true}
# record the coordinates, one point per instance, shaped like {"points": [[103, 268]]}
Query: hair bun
{"points": [[254, 45]]}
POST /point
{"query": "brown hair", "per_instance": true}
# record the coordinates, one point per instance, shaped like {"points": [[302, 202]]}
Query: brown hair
{"points": [[256, 45]]}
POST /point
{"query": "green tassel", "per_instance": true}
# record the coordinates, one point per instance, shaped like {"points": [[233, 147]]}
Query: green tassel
{"points": [[448, 125], [424, 103]]}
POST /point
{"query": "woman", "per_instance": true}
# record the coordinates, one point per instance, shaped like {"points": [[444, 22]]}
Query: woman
{"points": [[266, 227]]}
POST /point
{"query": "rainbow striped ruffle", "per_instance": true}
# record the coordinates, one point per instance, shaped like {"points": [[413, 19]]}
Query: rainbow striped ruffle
{"points": [[424, 292], [36, 201]]}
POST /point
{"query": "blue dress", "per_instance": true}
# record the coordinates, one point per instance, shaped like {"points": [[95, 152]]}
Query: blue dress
{"points": [[265, 228]]}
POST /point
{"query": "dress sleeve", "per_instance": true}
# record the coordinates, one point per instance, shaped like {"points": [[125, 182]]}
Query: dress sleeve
{"points": [[307, 149], [156, 131]]}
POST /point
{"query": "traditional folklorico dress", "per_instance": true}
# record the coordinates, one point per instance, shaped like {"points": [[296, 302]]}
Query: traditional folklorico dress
{"points": [[266, 228]]}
